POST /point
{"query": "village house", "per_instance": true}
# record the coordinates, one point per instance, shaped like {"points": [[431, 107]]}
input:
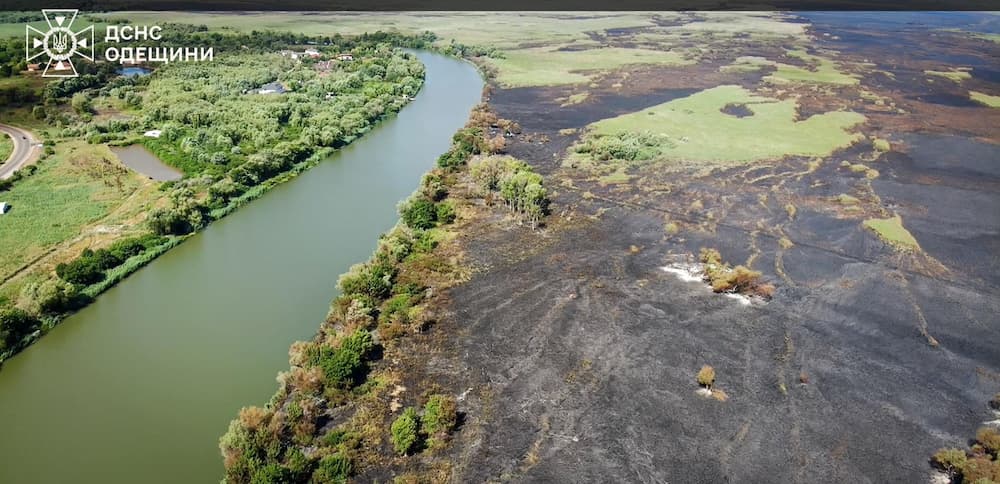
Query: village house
{"points": [[345, 56], [34, 67]]}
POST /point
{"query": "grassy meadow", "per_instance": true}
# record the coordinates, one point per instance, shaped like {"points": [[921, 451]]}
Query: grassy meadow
{"points": [[892, 231], [79, 186], [694, 128], [6, 147]]}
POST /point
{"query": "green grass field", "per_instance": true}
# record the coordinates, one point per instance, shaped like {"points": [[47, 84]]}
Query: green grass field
{"points": [[70, 190], [956, 75], [820, 70], [6, 146], [892, 231], [695, 128], [985, 99], [546, 66]]}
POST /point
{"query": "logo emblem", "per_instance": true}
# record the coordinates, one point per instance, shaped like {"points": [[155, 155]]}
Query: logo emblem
{"points": [[60, 43]]}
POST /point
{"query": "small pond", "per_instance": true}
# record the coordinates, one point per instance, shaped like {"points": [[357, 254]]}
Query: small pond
{"points": [[138, 158], [133, 71]]}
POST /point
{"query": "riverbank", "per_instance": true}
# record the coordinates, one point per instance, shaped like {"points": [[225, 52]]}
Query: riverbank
{"points": [[340, 402], [211, 320]]}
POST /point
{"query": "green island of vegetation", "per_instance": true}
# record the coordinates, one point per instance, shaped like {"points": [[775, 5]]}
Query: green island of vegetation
{"points": [[83, 221], [985, 99], [696, 129], [892, 231]]}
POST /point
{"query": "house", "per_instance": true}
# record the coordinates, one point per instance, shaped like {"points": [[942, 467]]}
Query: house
{"points": [[4, 208], [345, 56], [271, 88], [34, 67], [313, 53], [153, 133]]}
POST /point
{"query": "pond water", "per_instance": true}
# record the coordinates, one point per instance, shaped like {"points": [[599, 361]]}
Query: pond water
{"points": [[138, 158], [134, 71]]}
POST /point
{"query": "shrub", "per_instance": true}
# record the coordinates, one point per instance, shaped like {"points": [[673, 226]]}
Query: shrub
{"points": [[347, 365], [404, 431], [706, 376], [445, 212], [299, 466], [724, 278], [334, 468], [432, 187], [989, 438], [83, 271], [419, 213], [373, 280], [15, 324], [950, 460], [440, 415]]}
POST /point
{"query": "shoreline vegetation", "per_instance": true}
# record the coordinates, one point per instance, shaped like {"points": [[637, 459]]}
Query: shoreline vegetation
{"points": [[342, 408], [226, 164]]}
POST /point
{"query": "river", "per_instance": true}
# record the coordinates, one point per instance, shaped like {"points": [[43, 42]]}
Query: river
{"points": [[140, 385]]}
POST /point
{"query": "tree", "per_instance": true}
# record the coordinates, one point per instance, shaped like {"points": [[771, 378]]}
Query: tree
{"points": [[404, 431], [81, 103], [15, 324]]}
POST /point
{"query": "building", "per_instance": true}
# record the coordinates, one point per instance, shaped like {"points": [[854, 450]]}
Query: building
{"points": [[345, 56], [34, 67], [313, 53], [4, 208], [153, 133]]}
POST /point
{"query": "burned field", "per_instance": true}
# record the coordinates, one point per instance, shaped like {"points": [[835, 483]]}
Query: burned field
{"points": [[575, 351]]}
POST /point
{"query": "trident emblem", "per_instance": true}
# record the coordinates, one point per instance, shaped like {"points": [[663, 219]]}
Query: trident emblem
{"points": [[59, 43]]}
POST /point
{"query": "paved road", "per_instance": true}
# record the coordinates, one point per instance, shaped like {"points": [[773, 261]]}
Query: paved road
{"points": [[24, 151]]}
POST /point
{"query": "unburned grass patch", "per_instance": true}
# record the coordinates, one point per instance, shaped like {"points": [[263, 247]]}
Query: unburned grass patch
{"points": [[892, 231], [549, 66], [695, 129]]}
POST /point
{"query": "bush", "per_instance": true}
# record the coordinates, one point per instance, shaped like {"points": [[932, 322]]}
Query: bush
{"points": [[419, 213], [950, 460], [85, 270], [404, 431], [334, 468], [15, 324], [373, 280], [989, 438], [345, 366], [50, 297], [739, 279], [440, 415], [706, 376], [446, 212]]}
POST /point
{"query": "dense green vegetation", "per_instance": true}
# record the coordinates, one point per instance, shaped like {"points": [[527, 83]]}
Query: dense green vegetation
{"points": [[6, 147], [697, 129], [231, 142]]}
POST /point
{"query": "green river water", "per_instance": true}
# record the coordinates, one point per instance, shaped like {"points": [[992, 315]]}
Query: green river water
{"points": [[139, 386]]}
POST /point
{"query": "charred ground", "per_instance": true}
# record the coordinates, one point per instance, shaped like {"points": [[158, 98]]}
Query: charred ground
{"points": [[576, 353]]}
